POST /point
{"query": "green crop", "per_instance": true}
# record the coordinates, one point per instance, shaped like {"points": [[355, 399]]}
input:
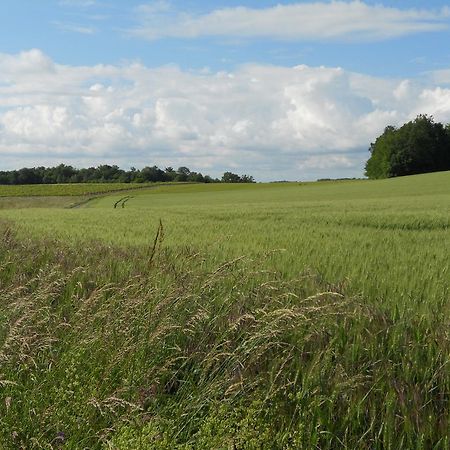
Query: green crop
{"points": [[284, 316], [382, 239], [68, 189]]}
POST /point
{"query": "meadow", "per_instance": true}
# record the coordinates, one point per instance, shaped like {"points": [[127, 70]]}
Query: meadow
{"points": [[283, 315]]}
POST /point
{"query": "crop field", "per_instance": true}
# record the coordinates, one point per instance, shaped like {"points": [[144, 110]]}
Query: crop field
{"points": [[383, 239], [67, 189], [247, 316]]}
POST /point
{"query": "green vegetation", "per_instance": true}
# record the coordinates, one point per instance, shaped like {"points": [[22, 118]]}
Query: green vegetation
{"points": [[385, 237], [54, 201], [61, 190], [111, 174], [310, 315], [419, 146]]}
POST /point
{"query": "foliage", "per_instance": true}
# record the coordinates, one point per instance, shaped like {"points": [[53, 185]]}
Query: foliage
{"points": [[230, 177], [103, 174], [419, 146]]}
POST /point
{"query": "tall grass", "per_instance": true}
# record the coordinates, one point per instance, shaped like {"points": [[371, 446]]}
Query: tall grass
{"points": [[103, 347]]}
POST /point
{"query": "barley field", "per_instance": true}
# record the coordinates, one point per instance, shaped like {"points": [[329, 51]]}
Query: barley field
{"points": [[283, 315]]}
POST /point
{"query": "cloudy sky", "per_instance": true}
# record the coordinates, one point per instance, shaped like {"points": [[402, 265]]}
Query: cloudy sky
{"points": [[279, 89]]}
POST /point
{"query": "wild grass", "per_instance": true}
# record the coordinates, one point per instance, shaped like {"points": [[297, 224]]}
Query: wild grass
{"points": [[109, 348]]}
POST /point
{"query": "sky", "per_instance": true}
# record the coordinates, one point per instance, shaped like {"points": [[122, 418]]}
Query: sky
{"points": [[281, 90]]}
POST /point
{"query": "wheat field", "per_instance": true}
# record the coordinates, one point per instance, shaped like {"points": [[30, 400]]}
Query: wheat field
{"points": [[294, 315]]}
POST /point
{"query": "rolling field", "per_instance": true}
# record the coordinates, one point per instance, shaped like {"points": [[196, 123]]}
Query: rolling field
{"points": [[284, 315], [67, 189], [385, 240]]}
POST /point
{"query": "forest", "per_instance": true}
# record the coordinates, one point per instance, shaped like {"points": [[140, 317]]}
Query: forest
{"points": [[112, 174]]}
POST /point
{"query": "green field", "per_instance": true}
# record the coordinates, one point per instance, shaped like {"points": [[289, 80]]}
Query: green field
{"points": [[68, 189], [383, 239], [284, 315]]}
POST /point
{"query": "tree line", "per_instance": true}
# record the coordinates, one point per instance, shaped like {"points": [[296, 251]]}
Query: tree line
{"points": [[112, 174], [419, 146]]}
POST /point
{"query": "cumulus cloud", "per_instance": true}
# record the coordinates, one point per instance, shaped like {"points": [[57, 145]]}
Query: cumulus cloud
{"points": [[273, 122], [346, 20]]}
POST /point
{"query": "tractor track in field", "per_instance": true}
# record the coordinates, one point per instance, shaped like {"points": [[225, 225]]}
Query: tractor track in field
{"points": [[105, 194]]}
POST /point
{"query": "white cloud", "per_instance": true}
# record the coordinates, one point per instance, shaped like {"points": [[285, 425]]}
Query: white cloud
{"points": [[435, 102], [347, 20], [273, 122], [330, 162], [441, 76]]}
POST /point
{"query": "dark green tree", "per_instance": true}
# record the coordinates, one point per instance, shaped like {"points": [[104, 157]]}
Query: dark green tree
{"points": [[419, 146], [182, 174], [104, 174], [247, 179], [378, 165], [152, 174], [230, 177], [170, 173]]}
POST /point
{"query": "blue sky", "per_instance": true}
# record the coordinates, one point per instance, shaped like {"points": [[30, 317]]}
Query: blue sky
{"points": [[84, 33], [271, 88]]}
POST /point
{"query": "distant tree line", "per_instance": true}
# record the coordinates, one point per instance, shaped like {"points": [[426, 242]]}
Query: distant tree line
{"points": [[112, 174], [419, 146]]}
